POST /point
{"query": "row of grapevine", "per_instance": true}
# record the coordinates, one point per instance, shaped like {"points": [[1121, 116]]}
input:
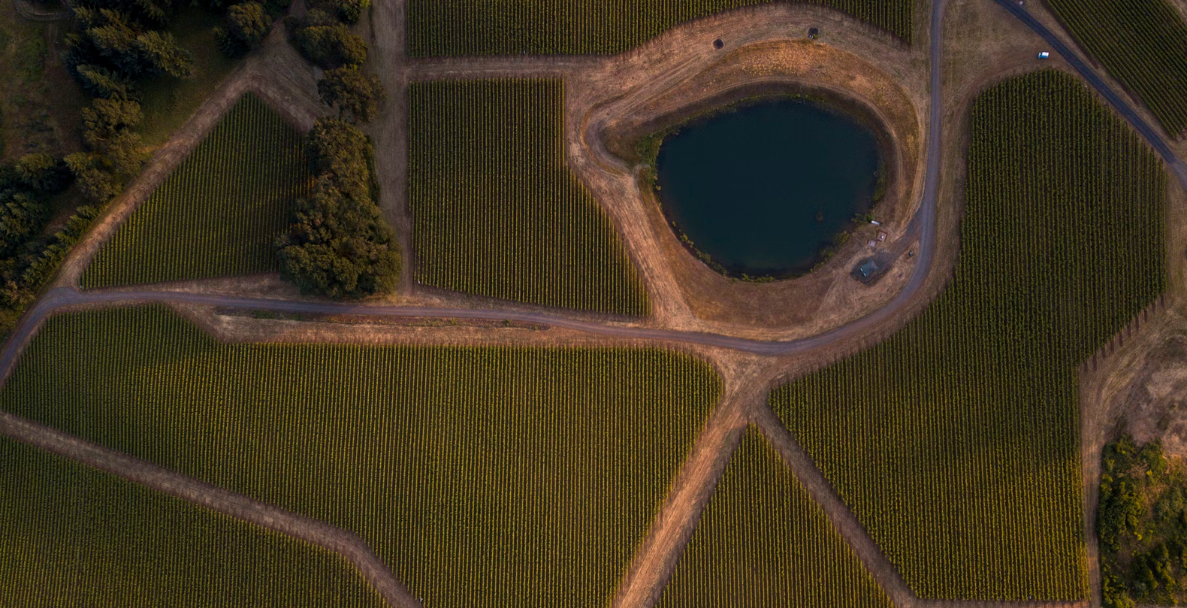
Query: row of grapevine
{"points": [[763, 541], [72, 536], [495, 209], [589, 27], [956, 442], [483, 477], [219, 212], [1143, 44]]}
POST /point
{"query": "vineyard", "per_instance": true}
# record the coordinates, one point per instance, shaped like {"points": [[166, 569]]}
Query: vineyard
{"points": [[219, 212], [483, 477], [72, 536], [763, 541], [1143, 44], [496, 211], [967, 419], [589, 27]]}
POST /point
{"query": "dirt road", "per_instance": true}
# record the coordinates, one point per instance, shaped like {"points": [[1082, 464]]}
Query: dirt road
{"points": [[1115, 99], [697, 477], [923, 227], [349, 546]]}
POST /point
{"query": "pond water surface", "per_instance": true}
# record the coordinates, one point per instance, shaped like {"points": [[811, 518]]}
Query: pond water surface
{"points": [[764, 189]]}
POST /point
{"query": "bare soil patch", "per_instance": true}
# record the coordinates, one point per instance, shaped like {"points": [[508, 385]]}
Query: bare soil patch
{"points": [[1156, 405]]}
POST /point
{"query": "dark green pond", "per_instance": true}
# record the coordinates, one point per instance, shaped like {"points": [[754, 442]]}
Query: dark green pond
{"points": [[765, 189]]}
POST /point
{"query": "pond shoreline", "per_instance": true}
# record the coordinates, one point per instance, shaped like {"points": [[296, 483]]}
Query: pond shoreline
{"points": [[846, 110]]}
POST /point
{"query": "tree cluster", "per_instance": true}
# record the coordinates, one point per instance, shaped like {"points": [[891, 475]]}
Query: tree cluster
{"points": [[1142, 523], [109, 131], [246, 24], [323, 37], [115, 45], [357, 97], [28, 257], [337, 243], [24, 188]]}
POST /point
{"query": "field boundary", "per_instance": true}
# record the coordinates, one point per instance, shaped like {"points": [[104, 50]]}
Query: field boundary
{"points": [[1121, 338], [343, 543], [1096, 416], [659, 553], [264, 75], [289, 94]]}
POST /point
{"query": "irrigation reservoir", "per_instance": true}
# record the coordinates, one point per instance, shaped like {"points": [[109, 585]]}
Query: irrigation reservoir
{"points": [[765, 189]]}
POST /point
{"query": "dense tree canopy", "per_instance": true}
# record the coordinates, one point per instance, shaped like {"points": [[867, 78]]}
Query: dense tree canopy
{"points": [[348, 11], [101, 82], [338, 243], [326, 42], [147, 13], [41, 174], [247, 25], [21, 216], [357, 97], [95, 183], [24, 186], [108, 127], [109, 39]]}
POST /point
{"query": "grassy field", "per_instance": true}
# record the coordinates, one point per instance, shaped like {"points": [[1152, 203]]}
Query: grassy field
{"points": [[496, 211], [762, 541], [483, 477], [72, 536], [40, 103], [1143, 44], [588, 27], [219, 212], [169, 102], [967, 420]]}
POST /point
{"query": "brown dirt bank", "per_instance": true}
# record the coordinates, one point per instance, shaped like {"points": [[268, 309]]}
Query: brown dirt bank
{"points": [[625, 85], [808, 304]]}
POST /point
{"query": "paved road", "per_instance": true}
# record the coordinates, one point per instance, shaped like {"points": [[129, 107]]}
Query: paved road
{"points": [[1149, 133], [923, 224]]}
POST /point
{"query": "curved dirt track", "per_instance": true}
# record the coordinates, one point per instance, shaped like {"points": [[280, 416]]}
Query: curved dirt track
{"points": [[697, 476], [923, 226]]}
